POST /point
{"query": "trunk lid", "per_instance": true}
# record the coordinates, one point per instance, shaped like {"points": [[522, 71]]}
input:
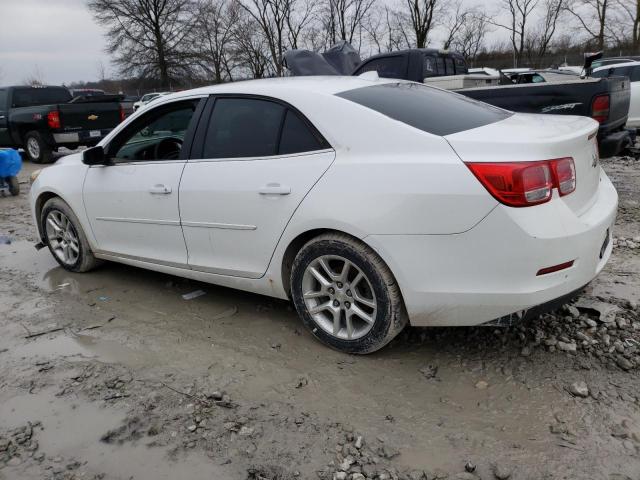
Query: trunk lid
{"points": [[526, 138], [89, 116]]}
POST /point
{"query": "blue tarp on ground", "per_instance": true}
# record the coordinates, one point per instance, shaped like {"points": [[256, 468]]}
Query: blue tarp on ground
{"points": [[10, 163]]}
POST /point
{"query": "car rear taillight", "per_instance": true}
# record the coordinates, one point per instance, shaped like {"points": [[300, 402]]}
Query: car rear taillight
{"points": [[523, 184], [515, 184], [53, 119], [600, 108], [122, 114], [564, 175]]}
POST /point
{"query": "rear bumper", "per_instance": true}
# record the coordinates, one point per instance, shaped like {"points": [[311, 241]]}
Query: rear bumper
{"points": [[490, 271], [613, 143], [82, 137]]}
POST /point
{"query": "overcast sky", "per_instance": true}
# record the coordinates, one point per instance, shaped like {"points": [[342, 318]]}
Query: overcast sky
{"points": [[57, 41], [57, 37]]}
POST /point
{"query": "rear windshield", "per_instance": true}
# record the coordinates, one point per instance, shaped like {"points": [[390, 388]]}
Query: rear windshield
{"points": [[429, 109], [30, 96]]}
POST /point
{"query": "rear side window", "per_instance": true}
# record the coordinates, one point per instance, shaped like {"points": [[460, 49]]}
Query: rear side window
{"points": [[429, 66], [31, 96], [387, 67], [250, 127], [3, 99], [429, 109], [461, 66], [635, 74], [448, 62], [296, 136]]}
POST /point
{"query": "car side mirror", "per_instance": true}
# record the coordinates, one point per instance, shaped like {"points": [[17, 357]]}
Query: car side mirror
{"points": [[95, 156]]}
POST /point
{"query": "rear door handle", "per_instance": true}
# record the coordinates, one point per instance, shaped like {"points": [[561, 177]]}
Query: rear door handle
{"points": [[160, 189], [274, 189]]}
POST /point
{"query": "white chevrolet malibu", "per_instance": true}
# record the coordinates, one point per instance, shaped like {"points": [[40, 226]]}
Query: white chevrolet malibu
{"points": [[368, 203]]}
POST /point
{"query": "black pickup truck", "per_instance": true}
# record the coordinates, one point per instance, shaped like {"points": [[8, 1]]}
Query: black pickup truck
{"points": [[607, 102], [41, 119]]}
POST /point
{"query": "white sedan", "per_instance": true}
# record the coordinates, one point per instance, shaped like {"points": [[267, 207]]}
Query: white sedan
{"points": [[370, 203], [146, 98]]}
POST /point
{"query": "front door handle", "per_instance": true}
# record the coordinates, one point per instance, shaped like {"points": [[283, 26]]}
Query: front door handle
{"points": [[274, 189], [160, 189]]}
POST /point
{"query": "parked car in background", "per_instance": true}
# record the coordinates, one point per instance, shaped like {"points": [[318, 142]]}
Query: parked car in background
{"points": [[369, 203], [41, 119], [601, 62], [604, 99], [127, 104], [146, 98], [632, 71]]}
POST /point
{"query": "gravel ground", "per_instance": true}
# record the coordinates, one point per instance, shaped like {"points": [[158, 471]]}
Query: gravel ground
{"points": [[113, 375]]}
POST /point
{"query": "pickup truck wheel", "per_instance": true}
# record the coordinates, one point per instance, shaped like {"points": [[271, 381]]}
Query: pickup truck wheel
{"points": [[37, 149], [346, 294], [14, 186], [65, 238]]}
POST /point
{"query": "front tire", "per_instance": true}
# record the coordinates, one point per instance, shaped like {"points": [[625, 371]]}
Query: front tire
{"points": [[346, 295], [37, 150], [65, 238]]}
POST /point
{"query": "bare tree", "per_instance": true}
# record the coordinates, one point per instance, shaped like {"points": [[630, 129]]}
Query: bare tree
{"points": [[592, 17], [421, 15], [298, 20], [519, 13], [271, 18], [250, 49], [385, 30], [344, 19], [147, 37], [469, 40], [212, 37], [35, 78], [454, 20], [630, 17], [538, 41]]}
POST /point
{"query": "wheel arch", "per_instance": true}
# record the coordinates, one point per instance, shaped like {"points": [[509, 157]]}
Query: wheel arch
{"points": [[44, 197], [299, 241]]}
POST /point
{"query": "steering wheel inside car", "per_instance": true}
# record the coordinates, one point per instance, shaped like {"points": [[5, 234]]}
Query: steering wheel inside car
{"points": [[168, 149]]}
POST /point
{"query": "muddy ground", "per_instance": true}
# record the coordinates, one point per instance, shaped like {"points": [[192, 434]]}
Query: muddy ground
{"points": [[134, 382]]}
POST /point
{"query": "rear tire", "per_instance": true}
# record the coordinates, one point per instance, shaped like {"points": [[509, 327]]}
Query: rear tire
{"points": [[14, 186], [65, 238], [37, 150], [346, 295]]}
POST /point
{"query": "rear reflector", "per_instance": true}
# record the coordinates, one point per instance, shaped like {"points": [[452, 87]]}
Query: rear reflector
{"points": [[555, 268], [600, 108], [523, 184]]}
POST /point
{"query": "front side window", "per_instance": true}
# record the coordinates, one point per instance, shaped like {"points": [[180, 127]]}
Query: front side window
{"points": [[426, 108], [635, 74], [251, 127], [157, 135]]}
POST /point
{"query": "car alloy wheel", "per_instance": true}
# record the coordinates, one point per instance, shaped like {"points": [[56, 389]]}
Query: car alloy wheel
{"points": [[339, 297], [33, 148], [62, 237]]}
